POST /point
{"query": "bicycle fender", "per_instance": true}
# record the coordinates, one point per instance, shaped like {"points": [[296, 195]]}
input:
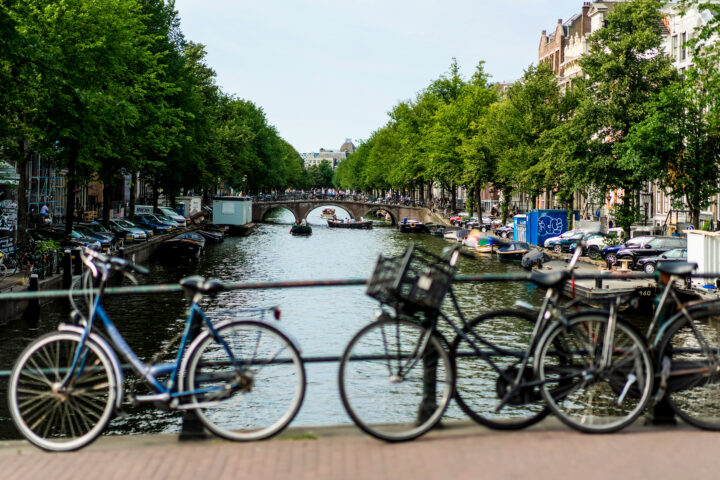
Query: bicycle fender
{"points": [[108, 350]]}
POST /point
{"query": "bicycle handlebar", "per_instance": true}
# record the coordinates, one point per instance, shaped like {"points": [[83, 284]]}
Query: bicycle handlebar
{"points": [[115, 263]]}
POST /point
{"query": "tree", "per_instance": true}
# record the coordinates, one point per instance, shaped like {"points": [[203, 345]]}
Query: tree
{"points": [[679, 143], [624, 67]]}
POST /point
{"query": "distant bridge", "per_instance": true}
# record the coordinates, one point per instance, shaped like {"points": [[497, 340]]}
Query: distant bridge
{"points": [[301, 208]]}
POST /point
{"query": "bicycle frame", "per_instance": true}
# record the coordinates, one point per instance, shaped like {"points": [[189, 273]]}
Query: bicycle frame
{"points": [[164, 391]]}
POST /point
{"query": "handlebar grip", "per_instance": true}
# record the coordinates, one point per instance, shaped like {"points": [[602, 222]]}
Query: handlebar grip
{"points": [[125, 265]]}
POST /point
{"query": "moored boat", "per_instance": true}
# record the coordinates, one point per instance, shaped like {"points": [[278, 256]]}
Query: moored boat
{"points": [[456, 235], [412, 226], [185, 245], [363, 224], [479, 242], [212, 236], [513, 251], [301, 229]]}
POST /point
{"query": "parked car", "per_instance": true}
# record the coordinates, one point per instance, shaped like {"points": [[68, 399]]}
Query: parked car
{"points": [[459, 218], [149, 221], [596, 241], [648, 264], [164, 218], [99, 233], [609, 253], [564, 243], [173, 215], [562, 236], [506, 231], [105, 244], [128, 231], [656, 246], [125, 221], [75, 241]]}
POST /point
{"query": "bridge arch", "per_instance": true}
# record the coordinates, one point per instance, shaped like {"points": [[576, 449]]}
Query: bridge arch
{"points": [[344, 207], [276, 208], [377, 208]]}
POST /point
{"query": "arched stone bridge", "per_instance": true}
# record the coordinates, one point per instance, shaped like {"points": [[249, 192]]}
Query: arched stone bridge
{"points": [[301, 208]]}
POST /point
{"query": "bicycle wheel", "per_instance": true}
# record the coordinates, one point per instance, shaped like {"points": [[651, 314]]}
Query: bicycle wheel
{"points": [[61, 419], [693, 388], [584, 393], [480, 387], [254, 397], [390, 388]]}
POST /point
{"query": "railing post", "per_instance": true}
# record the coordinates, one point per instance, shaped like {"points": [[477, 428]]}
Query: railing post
{"points": [[67, 267], [429, 400], [77, 263], [33, 310], [192, 428]]}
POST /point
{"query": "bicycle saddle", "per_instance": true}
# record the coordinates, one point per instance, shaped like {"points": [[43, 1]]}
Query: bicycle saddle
{"points": [[549, 280], [676, 268], [198, 284]]}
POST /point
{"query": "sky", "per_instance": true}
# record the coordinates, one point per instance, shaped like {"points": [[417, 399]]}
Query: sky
{"points": [[327, 70]]}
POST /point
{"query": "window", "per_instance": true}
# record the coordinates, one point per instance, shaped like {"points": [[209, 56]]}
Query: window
{"points": [[683, 47], [674, 52]]}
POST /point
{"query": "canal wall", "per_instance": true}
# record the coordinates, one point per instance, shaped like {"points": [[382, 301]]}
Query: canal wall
{"points": [[11, 311]]}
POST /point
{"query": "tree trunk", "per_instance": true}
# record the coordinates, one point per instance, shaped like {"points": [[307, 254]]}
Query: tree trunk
{"points": [[505, 206], [107, 200], [478, 200], [421, 188], [156, 195], [133, 195], [695, 215], [71, 185], [22, 194], [453, 197]]}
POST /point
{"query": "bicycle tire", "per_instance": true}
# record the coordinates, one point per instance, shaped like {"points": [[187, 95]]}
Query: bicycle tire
{"points": [[695, 396], [382, 380], [479, 388], [583, 394], [276, 388], [66, 421]]}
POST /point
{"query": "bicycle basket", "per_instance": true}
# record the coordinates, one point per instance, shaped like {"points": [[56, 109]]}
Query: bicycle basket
{"points": [[416, 277]]}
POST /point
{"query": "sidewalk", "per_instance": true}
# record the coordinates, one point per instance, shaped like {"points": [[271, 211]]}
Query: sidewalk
{"points": [[459, 451]]}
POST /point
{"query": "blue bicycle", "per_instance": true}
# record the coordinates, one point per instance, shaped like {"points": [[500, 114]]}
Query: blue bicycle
{"points": [[244, 378]]}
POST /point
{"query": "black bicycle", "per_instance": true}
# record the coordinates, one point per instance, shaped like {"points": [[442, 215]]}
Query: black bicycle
{"points": [[600, 365]]}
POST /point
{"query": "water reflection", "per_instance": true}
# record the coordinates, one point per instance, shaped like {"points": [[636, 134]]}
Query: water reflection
{"points": [[322, 320]]}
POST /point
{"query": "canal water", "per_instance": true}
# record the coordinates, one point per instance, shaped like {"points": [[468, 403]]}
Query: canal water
{"points": [[322, 320]]}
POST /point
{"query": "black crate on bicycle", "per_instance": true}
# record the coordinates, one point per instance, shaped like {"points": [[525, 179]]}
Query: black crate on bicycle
{"points": [[417, 278]]}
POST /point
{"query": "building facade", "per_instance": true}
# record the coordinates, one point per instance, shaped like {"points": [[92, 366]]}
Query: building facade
{"points": [[334, 157]]}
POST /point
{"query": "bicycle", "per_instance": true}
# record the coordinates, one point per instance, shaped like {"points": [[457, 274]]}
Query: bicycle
{"points": [[244, 378], [506, 380], [686, 346]]}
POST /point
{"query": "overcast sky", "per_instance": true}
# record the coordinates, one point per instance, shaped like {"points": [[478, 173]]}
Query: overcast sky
{"points": [[327, 70]]}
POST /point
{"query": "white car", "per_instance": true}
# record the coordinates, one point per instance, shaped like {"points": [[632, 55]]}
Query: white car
{"points": [[594, 243], [562, 236], [174, 216]]}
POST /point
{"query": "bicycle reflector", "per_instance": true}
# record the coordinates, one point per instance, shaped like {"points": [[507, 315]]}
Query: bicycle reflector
{"points": [[277, 313]]}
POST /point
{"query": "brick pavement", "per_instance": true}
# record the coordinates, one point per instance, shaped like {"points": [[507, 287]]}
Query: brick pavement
{"points": [[460, 451]]}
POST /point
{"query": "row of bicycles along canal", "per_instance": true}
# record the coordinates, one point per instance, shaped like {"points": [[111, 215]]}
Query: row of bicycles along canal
{"points": [[245, 379]]}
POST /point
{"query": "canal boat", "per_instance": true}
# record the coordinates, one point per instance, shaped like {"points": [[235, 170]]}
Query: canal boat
{"points": [[301, 230], [185, 245], [212, 236], [327, 213], [456, 235], [513, 251], [363, 224], [479, 242], [412, 226]]}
